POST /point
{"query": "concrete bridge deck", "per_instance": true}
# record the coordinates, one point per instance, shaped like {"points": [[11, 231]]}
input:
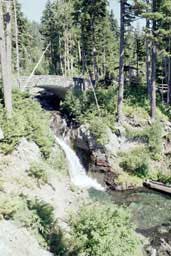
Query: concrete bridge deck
{"points": [[58, 84]]}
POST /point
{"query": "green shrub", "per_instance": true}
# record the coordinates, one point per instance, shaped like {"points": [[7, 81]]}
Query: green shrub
{"points": [[28, 120], [155, 139], [97, 126], [37, 216], [77, 104], [103, 230], [57, 161], [38, 171], [9, 205], [136, 162], [48, 227], [83, 108], [166, 179], [151, 135]]}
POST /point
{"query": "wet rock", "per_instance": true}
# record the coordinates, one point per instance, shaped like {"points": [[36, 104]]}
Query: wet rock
{"points": [[58, 124], [110, 180], [120, 130], [151, 251], [100, 161], [84, 140], [164, 249]]}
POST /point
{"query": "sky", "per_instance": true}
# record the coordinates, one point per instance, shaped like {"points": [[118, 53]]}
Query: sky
{"points": [[33, 8]]}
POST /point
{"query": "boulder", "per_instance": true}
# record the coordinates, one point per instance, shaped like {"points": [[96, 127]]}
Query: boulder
{"points": [[58, 124], [84, 140], [27, 152], [16, 241], [113, 145]]}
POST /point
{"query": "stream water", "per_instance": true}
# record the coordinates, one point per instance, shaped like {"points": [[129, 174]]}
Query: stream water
{"points": [[76, 170], [149, 209]]}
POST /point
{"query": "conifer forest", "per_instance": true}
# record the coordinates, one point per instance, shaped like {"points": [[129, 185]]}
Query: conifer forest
{"points": [[85, 128]]}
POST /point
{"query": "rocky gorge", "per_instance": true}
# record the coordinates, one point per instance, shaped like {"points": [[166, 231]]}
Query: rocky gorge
{"points": [[101, 161]]}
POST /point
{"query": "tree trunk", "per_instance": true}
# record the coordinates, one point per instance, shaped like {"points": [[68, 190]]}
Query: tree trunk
{"points": [[8, 38], [148, 57], [5, 53], [16, 41], [153, 72], [169, 75], [169, 82], [121, 62]]}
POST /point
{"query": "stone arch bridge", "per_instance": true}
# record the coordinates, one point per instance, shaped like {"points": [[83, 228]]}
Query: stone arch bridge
{"points": [[57, 84]]}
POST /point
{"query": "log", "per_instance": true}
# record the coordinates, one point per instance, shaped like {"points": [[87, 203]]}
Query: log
{"points": [[157, 186]]}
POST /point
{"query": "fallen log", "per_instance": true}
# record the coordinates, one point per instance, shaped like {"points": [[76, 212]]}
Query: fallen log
{"points": [[157, 186]]}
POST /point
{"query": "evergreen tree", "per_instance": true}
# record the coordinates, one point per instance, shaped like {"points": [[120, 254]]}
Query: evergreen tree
{"points": [[97, 36], [126, 17]]}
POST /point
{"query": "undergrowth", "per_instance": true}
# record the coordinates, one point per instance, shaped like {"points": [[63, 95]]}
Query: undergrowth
{"points": [[37, 216], [151, 135], [28, 120], [136, 162], [38, 170], [83, 109], [103, 229]]}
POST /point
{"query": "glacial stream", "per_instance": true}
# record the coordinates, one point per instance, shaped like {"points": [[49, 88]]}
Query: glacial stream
{"points": [[150, 210], [77, 172]]}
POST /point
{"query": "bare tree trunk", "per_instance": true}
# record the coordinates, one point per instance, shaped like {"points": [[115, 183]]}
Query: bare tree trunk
{"points": [[68, 51], [153, 72], [8, 38], [65, 55], [79, 51], [148, 57], [16, 41], [121, 62], [5, 53], [169, 75], [169, 82]]}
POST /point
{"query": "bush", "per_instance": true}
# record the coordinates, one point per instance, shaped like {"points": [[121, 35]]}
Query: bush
{"points": [[9, 206], [38, 171], [78, 104], [57, 161], [37, 216], [151, 135], [103, 230], [82, 107], [155, 139], [28, 120], [136, 162]]}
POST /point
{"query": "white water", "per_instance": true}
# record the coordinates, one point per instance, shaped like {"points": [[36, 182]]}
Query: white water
{"points": [[76, 170]]}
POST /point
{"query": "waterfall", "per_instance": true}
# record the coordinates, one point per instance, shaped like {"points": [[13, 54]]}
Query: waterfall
{"points": [[76, 170]]}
